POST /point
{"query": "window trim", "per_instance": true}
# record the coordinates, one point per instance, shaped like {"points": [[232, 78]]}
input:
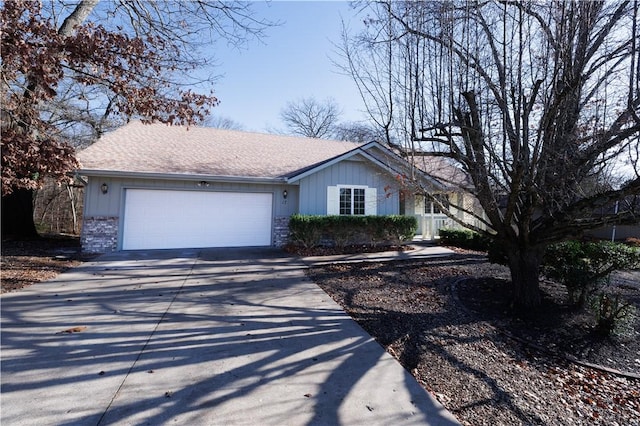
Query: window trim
{"points": [[370, 200], [352, 200]]}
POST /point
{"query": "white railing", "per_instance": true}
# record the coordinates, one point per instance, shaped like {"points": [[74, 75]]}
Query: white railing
{"points": [[429, 225]]}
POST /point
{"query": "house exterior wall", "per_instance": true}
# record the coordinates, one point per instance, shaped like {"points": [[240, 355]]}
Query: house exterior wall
{"points": [[313, 188], [103, 213], [621, 233], [111, 203]]}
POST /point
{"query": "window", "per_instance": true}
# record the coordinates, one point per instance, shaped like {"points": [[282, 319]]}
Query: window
{"points": [[431, 207], [351, 200]]}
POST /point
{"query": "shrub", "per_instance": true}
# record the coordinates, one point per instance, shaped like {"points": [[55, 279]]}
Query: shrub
{"points": [[633, 242], [614, 316], [464, 238], [304, 231], [401, 228], [311, 231], [455, 237], [584, 267], [496, 253]]}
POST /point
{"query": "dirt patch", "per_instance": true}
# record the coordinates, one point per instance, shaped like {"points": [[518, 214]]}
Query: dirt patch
{"points": [[448, 321], [28, 262]]}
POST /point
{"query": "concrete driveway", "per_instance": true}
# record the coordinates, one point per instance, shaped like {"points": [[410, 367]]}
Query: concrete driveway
{"points": [[197, 337]]}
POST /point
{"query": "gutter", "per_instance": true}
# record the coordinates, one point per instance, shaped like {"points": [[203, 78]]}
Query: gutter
{"points": [[182, 177]]}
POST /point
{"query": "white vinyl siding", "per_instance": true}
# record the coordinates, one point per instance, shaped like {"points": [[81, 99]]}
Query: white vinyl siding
{"points": [[161, 219]]}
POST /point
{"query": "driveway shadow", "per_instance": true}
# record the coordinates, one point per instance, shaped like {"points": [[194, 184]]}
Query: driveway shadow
{"points": [[196, 337]]}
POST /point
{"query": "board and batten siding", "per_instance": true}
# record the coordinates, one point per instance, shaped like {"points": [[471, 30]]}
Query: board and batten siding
{"points": [[102, 229], [313, 188], [111, 203]]}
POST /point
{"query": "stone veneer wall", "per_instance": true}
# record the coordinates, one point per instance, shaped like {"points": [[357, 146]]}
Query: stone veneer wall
{"points": [[281, 231], [99, 234]]}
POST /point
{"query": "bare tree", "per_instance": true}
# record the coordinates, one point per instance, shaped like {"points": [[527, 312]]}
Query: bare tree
{"points": [[185, 30], [371, 65], [532, 100], [222, 122], [311, 118], [358, 132]]}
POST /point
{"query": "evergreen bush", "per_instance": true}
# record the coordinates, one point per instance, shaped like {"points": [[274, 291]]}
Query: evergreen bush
{"points": [[584, 267], [312, 231], [464, 238]]}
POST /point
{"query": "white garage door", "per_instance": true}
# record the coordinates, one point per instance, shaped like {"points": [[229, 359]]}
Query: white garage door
{"points": [[158, 219]]}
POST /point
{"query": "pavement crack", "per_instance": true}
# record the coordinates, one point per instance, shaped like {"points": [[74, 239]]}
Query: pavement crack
{"points": [[146, 343]]}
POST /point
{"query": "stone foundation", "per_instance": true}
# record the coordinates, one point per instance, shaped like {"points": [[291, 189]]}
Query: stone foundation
{"points": [[281, 231], [99, 234]]}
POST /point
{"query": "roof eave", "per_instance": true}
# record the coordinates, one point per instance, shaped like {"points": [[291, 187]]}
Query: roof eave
{"points": [[179, 176]]}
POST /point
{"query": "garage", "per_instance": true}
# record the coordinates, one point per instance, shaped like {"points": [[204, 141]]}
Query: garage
{"points": [[162, 219]]}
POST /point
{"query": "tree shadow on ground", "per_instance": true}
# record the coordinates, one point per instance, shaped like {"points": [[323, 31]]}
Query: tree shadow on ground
{"points": [[208, 344], [557, 326], [419, 338]]}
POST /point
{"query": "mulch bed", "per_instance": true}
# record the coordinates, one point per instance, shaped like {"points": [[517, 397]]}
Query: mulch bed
{"points": [[450, 323], [556, 326], [350, 249]]}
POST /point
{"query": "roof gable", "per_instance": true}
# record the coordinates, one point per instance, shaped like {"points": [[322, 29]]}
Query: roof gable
{"points": [[377, 154], [361, 150]]}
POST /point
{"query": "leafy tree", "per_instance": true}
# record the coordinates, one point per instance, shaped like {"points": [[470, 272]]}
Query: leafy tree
{"points": [[73, 71], [531, 100]]}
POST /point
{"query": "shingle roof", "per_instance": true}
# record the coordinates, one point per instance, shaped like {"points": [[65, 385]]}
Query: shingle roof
{"points": [[158, 148], [442, 169]]}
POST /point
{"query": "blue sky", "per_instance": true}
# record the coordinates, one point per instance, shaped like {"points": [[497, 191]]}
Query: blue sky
{"points": [[293, 61]]}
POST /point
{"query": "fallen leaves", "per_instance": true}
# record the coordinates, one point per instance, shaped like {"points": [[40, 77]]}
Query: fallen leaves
{"points": [[73, 330], [28, 262], [21, 271], [477, 373]]}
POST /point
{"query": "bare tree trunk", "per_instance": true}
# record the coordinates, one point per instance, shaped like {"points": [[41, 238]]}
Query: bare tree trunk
{"points": [[74, 215], [524, 264]]}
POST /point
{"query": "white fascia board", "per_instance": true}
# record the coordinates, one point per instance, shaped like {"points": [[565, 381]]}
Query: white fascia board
{"points": [[359, 150], [324, 165], [431, 181]]}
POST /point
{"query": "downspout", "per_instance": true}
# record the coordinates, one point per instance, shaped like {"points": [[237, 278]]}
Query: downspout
{"points": [[613, 231]]}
